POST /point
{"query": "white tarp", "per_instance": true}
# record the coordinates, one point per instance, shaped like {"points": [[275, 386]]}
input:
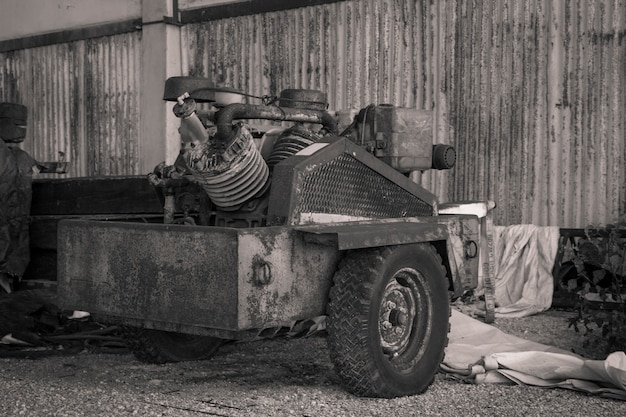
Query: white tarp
{"points": [[524, 257], [483, 354]]}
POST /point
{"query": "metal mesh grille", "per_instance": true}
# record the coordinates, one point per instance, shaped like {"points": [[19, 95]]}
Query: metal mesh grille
{"points": [[346, 186]]}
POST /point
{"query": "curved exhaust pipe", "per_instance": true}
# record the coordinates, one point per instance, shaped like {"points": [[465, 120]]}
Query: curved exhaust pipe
{"points": [[225, 117]]}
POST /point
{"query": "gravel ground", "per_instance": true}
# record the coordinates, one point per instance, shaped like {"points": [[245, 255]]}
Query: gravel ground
{"points": [[272, 378]]}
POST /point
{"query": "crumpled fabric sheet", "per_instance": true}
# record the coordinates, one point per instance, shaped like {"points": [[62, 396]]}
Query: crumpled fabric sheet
{"points": [[524, 257], [481, 353]]}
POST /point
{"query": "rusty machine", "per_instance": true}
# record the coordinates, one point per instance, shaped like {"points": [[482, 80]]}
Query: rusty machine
{"points": [[266, 229]]}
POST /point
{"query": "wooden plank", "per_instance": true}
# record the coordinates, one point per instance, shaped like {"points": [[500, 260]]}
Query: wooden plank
{"points": [[94, 195], [128, 198]]}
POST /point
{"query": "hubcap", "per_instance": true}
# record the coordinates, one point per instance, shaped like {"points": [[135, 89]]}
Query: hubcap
{"points": [[398, 311]]}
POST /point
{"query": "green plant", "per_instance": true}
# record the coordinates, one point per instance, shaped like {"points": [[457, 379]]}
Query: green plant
{"points": [[599, 259]]}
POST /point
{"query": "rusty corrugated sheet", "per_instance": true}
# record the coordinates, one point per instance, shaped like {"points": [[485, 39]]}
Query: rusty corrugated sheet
{"points": [[83, 100], [358, 52], [538, 105], [530, 92]]}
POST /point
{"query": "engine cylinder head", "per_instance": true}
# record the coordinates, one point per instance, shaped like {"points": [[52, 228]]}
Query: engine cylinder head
{"points": [[231, 176], [290, 142]]}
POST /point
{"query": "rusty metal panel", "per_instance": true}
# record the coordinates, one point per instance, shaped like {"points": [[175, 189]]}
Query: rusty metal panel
{"points": [[282, 277], [174, 277], [83, 102], [537, 104], [529, 92], [381, 232], [459, 232], [358, 52], [341, 179], [174, 274], [112, 88]]}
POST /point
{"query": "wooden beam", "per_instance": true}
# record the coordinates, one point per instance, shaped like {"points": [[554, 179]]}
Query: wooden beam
{"points": [[71, 35], [94, 195], [244, 8]]}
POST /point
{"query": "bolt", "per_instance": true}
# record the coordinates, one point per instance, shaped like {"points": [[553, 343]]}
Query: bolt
{"points": [[399, 330], [390, 305], [387, 325]]}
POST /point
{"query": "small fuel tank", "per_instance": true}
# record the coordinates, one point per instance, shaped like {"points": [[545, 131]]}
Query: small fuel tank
{"points": [[401, 137]]}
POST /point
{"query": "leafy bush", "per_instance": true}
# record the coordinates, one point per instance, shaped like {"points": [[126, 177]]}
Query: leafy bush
{"points": [[599, 259]]}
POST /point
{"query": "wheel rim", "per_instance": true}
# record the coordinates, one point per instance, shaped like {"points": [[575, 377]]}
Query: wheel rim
{"points": [[403, 320]]}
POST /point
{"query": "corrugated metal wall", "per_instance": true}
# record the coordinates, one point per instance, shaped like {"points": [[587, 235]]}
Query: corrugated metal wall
{"points": [[358, 52], [82, 99], [538, 99], [531, 93]]}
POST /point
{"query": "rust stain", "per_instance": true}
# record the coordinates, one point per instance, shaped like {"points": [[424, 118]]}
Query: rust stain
{"points": [[83, 101], [529, 92]]}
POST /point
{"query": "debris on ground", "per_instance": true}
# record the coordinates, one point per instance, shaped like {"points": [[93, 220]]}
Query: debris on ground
{"points": [[32, 326]]}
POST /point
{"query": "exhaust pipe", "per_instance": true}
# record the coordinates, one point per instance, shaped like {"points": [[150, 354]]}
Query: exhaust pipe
{"points": [[225, 117]]}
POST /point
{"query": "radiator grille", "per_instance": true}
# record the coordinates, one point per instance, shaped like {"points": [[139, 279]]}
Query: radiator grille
{"points": [[346, 186]]}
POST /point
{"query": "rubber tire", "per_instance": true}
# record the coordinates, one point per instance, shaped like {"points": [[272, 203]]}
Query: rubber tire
{"points": [[354, 332], [157, 346]]}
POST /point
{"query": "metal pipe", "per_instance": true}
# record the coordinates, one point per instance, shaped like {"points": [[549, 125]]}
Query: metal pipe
{"points": [[235, 111], [191, 128]]}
